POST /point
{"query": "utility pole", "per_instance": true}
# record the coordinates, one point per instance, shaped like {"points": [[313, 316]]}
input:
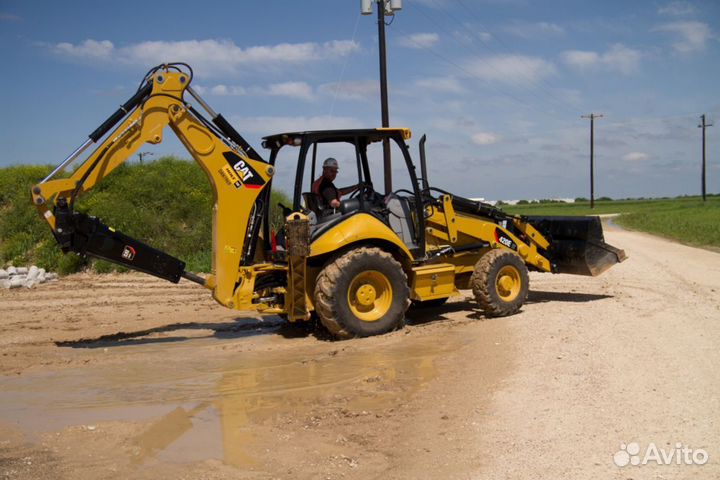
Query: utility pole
{"points": [[703, 125], [384, 7], [141, 155], [592, 118]]}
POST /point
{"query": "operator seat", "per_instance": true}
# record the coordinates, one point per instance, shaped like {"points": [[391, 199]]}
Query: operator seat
{"points": [[311, 202], [400, 218]]}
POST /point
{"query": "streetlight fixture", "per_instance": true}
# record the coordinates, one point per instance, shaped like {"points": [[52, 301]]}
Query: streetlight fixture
{"points": [[384, 7]]}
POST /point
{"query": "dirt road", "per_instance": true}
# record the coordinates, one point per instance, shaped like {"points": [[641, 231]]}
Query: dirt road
{"points": [[124, 376]]}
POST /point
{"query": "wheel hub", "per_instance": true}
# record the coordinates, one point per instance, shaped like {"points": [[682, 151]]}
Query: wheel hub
{"points": [[370, 295], [366, 294], [508, 283]]}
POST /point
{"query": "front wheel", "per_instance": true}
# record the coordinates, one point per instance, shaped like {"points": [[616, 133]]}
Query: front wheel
{"points": [[500, 283], [362, 293]]}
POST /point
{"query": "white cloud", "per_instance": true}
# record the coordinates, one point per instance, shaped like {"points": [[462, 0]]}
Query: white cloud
{"points": [[469, 35], [581, 59], [534, 29], [354, 90], [622, 58], [299, 90], [513, 69], [485, 138], [677, 9], [209, 57], [418, 40], [440, 84], [266, 124], [89, 49], [618, 58], [636, 156], [223, 90], [692, 35]]}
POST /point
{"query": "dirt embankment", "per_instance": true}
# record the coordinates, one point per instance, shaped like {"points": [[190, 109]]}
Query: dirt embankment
{"points": [[121, 376]]}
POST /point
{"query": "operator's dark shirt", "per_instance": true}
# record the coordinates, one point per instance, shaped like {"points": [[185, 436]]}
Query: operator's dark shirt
{"points": [[326, 192]]}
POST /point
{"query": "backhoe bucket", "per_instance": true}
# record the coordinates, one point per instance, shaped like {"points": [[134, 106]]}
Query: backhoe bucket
{"points": [[577, 245]]}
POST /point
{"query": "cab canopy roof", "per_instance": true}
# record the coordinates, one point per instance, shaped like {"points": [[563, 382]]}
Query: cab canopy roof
{"points": [[369, 135]]}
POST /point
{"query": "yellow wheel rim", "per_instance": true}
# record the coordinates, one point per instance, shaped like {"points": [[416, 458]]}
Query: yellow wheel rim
{"points": [[370, 295], [508, 283]]}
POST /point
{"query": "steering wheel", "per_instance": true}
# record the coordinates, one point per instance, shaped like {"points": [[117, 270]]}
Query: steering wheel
{"points": [[364, 188]]}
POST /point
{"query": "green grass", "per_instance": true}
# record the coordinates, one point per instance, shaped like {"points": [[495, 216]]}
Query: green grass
{"points": [[166, 204], [685, 219]]}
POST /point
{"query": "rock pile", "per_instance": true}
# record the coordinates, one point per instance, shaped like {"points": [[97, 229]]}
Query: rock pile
{"points": [[16, 277]]}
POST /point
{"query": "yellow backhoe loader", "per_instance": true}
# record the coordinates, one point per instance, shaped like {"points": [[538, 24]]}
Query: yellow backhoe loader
{"points": [[357, 267]]}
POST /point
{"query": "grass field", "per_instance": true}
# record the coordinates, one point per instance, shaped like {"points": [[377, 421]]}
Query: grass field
{"points": [[684, 219], [166, 203]]}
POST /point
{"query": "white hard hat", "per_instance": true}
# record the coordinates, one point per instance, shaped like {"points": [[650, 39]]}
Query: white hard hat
{"points": [[330, 162]]}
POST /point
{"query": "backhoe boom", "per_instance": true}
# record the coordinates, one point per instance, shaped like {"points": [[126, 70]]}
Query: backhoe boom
{"points": [[237, 174]]}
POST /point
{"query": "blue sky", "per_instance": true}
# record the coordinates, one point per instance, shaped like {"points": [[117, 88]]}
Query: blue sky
{"points": [[498, 85]]}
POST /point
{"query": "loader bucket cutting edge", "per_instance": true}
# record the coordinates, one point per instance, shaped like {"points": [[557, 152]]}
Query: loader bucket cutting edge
{"points": [[577, 245]]}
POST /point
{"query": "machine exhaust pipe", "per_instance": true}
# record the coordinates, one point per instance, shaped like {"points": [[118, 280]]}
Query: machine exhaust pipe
{"points": [[423, 163]]}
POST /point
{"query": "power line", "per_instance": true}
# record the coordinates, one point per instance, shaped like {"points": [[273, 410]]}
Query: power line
{"points": [[518, 100], [529, 80], [342, 72], [536, 82]]}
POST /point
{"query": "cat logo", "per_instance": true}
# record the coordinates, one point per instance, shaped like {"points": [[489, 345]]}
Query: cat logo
{"points": [[244, 171], [128, 253]]}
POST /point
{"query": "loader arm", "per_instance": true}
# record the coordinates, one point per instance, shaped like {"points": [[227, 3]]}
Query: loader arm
{"points": [[237, 174]]}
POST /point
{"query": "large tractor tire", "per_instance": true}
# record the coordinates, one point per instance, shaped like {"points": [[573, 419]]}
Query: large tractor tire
{"points": [[362, 293], [500, 283]]}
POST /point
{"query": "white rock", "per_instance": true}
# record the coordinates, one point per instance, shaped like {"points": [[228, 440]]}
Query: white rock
{"points": [[32, 273], [40, 278], [5, 283], [51, 276], [16, 282], [11, 271], [29, 283], [41, 271], [22, 270]]}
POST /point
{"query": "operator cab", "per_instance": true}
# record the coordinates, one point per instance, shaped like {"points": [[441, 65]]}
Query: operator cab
{"points": [[359, 154]]}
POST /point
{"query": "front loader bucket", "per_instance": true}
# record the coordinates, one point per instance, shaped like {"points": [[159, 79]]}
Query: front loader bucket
{"points": [[577, 245]]}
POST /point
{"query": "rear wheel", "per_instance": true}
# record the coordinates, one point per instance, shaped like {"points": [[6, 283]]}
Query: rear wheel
{"points": [[500, 283], [362, 293]]}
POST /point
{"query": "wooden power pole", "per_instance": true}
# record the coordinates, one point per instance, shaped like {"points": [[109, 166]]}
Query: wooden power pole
{"points": [[703, 125], [592, 118]]}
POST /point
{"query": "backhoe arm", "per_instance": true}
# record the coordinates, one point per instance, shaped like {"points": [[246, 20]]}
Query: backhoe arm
{"points": [[237, 175]]}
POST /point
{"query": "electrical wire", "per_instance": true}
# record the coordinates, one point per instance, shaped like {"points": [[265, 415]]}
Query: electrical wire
{"points": [[518, 100], [541, 80], [342, 71], [552, 99]]}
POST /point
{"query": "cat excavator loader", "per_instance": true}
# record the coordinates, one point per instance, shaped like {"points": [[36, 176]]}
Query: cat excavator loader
{"points": [[357, 268]]}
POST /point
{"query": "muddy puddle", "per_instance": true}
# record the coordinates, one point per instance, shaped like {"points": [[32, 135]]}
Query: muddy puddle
{"points": [[223, 407]]}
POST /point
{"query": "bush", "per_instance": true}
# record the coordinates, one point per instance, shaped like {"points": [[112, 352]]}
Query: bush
{"points": [[166, 204]]}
